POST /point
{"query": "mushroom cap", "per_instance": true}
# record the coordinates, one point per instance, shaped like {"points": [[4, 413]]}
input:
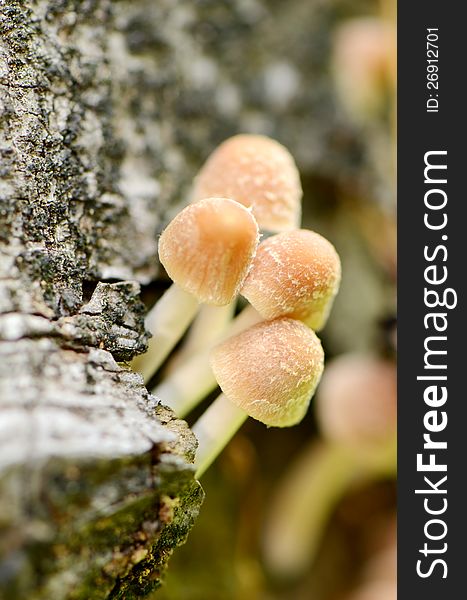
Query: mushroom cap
{"points": [[295, 274], [357, 400], [208, 247], [259, 173], [270, 370]]}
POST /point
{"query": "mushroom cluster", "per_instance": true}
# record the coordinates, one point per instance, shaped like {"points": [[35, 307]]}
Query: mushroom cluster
{"points": [[267, 360]]}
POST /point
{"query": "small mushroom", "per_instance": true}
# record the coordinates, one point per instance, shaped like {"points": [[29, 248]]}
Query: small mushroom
{"points": [[207, 251], [208, 247], [268, 372], [259, 173], [295, 274]]}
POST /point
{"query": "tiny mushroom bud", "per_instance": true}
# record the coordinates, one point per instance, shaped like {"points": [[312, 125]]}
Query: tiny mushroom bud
{"points": [[295, 274], [207, 250], [257, 172], [268, 372]]}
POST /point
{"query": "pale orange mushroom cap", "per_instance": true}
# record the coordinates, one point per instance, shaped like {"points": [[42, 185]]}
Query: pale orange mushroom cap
{"points": [[270, 370], [295, 274], [259, 173], [207, 249], [357, 400]]}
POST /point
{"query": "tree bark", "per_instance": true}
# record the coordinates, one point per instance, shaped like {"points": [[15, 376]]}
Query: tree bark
{"points": [[96, 483]]}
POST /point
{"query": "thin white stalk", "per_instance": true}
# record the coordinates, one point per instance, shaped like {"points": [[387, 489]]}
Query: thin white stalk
{"points": [[209, 324], [167, 321], [214, 429], [185, 387], [307, 497]]}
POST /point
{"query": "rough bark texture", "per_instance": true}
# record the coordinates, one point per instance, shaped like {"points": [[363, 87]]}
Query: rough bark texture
{"points": [[96, 484], [107, 108]]}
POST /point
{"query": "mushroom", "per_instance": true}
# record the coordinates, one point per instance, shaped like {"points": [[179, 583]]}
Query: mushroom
{"points": [[268, 372], [207, 251], [259, 173], [356, 410], [294, 274]]}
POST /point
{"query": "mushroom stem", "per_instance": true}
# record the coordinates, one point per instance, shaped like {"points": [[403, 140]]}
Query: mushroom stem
{"points": [[208, 326], [311, 491], [167, 321], [186, 386], [215, 429]]}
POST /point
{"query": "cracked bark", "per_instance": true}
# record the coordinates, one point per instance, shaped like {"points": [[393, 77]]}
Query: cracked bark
{"points": [[96, 482], [107, 109]]}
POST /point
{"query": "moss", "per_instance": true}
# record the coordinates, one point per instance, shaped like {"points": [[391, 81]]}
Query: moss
{"points": [[119, 550]]}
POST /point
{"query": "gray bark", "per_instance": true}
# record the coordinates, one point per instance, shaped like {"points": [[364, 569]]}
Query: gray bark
{"points": [[106, 111], [96, 483]]}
